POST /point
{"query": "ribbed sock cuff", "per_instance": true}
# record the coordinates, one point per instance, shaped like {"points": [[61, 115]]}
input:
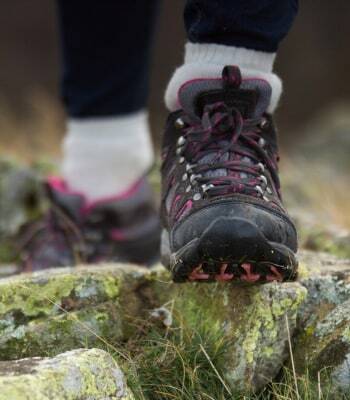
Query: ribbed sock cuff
{"points": [[206, 61], [229, 55], [103, 157]]}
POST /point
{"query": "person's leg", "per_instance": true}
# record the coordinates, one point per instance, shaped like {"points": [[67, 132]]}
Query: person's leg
{"points": [[103, 209], [252, 24], [246, 33], [106, 53], [222, 211]]}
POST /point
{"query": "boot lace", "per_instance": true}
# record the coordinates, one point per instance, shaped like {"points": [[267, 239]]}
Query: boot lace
{"points": [[226, 153]]}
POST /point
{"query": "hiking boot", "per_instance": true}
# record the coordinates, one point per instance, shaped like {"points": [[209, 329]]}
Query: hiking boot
{"points": [[222, 212], [124, 229]]}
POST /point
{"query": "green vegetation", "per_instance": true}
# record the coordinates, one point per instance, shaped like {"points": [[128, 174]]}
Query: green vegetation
{"points": [[184, 362]]}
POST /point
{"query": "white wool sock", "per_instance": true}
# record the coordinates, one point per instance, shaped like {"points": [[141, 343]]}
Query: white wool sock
{"points": [[104, 156], [207, 61]]}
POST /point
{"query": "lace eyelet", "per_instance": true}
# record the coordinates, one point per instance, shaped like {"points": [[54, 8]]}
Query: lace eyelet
{"points": [[181, 141], [181, 160], [179, 151], [188, 189], [261, 167], [259, 190], [262, 142], [179, 123], [193, 178], [189, 167], [263, 179], [197, 196], [264, 124], [184, 177], [205, 188]]}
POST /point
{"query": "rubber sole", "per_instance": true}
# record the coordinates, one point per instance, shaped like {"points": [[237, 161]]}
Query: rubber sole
{"points": [[248, 257]]}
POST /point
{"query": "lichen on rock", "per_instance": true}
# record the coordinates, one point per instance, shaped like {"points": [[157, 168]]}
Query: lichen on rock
{"points": [[322, 345], [325, 348], [253, 322], [75, 375], [54, 311]]}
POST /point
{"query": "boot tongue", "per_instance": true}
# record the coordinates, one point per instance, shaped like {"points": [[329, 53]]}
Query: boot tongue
{"points": [[250, 96]]}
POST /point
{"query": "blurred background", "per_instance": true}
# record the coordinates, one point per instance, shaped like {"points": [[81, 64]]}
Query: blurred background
{"points": [[314, 61], [313, 117]]}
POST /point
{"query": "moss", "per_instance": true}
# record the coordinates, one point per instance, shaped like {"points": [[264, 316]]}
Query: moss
{"points": [[51, 336], [35, 298], [93, 307], [250, 319], [42, 295], [309, 331], [268, 351], [47, 314], [241, 328], [324, 344], [111, 287]]}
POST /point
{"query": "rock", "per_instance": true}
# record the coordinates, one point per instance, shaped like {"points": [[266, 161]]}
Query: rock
{"points": [[75, 375], [327, 280], [54, 311], [253, 322], [324, 347], [50, 312], [322, 343]]}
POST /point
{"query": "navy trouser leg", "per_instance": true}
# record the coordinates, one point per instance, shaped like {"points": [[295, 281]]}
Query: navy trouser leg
{"points": [[106, 46], [253, 24]]}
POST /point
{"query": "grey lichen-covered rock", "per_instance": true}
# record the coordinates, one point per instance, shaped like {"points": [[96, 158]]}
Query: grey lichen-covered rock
{"points": [[75, 375], [58, 310], [53, 311], [324, 347], [50, 312], [327, 280], [323, 341], [254, 323]]}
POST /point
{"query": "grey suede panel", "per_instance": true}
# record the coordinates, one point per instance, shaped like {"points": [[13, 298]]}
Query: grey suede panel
{"points": [[190, 91]]}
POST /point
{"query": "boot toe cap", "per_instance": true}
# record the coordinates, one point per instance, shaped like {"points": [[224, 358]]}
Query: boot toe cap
{"points": [[235, 226]]}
